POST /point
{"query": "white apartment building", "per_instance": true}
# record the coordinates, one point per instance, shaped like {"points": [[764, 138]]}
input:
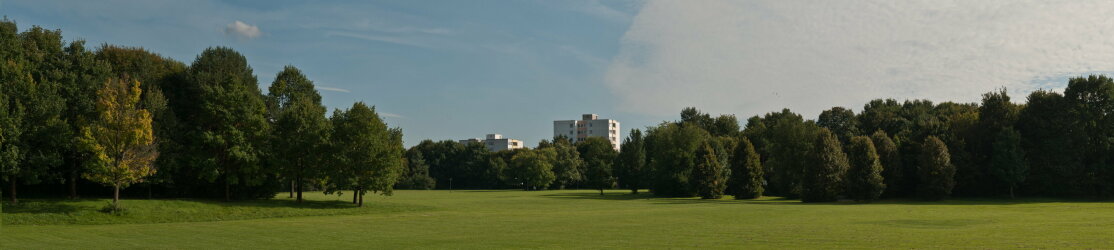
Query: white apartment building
{"points": [[496, 142], [588, 125]]}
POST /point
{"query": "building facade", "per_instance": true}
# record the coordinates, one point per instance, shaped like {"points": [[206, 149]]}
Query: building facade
{"points": [[496, 142], [589, 125]]}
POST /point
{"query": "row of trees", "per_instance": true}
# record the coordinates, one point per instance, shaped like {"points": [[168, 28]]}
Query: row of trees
{"points": [[119, 116], [1055, 144]]}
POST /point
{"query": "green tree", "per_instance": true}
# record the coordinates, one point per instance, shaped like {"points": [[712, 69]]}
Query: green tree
{"points": [[630, 165], [1008, 161], [121, 139], [788, 144], [746, 180], [893, 172], [417, 173], [299, 126], [935, 171], [671, 154], [598, 155], [1091, 103], [533, 168], [823, 179], [368, 155], [1051, 142], [841, 121], [708, 174], [230, 125], [864, 178], [567, 165]]}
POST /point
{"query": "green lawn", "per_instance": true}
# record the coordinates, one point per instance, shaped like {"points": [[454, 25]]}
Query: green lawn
{"points": [[556, 219]]}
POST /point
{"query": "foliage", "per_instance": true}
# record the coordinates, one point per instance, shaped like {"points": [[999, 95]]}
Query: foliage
{"points": [[598, 155], [367, 154], [841, 121], [746, 179], [631, 169], [120, 140], [417, 173], [299, 142], [936, 173], [671, 150], [1008, 161], [568, 166], [864, 178], [823, 180], [893, 172], [708, 175], [533, 168]]}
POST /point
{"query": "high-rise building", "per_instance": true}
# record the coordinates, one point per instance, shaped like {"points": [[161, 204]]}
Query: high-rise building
{"points": [[588, 125], [496, 142]]}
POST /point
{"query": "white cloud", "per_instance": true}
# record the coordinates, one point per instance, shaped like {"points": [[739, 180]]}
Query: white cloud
{"points": [[332, 89], [753, 57], [242, 30]]}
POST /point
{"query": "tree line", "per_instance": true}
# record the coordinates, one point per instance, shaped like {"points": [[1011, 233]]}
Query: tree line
{"points": [[119, 116], [1053, 145]]}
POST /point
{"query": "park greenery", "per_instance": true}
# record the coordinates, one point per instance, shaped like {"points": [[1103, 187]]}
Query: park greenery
{"points": [[74, 122]]}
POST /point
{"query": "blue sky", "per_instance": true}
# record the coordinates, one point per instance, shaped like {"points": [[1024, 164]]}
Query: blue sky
{"points": [[438, 69], [461, 69]]}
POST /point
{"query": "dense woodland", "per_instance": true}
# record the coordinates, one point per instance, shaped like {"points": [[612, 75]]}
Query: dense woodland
{"points": [[82, 122]]}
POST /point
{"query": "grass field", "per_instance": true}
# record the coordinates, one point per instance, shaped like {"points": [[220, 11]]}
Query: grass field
{"points": [[556, 219]]}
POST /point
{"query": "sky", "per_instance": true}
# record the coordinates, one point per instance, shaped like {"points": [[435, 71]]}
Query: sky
{"points": [[450, 70]]}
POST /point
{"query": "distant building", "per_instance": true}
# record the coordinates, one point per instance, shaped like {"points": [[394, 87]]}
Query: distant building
{"points": [[496, 142], [588, 125]]}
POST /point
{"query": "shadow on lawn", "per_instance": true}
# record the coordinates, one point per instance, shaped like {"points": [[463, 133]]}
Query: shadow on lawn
{"points": [[43, 207], [795, 202]]}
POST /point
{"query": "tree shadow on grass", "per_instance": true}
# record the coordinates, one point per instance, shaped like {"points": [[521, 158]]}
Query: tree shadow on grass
{"points": [[278, 203], [796, 202], [44, 207]]}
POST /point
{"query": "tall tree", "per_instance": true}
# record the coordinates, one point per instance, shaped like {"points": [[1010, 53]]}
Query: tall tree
{"points": [[789, 141], [864, 178], [893, 172], [230, 124], [1051, 142], [417, 173], [708, 174], [823, 179], [300, 128], [1091, 101], [671, 154], [81, 76], [1008, 161], [630, 166], [598, 155], [121, 139], [935, 171], [368, 155], [746, 180]]}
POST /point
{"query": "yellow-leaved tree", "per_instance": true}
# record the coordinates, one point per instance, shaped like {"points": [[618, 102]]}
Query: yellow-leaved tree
{"points": [[120, 139]]}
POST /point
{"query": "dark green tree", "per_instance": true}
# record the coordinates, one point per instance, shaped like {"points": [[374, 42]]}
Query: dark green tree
{"points": [[1052, 145], [893, 172], [708, 174], [671, 154], [230, 126], [367, 154], [417, 173], [823, 179], [630, 166], [1008, 161], [935, 171], [841, 121], [1091, 103], [300, 129], [746, 180], [598, 155], [864, 178]]}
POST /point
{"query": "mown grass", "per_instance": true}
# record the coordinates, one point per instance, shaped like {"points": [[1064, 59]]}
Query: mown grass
{"points": [[576, 219]]}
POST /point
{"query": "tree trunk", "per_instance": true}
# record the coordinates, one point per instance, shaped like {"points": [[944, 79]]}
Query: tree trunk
{"points": [[634, 191], [355, 194], [300, 189], [601, 191], [361, 201], [227, 191], [12, 181], [292, 188], [116, 196], [73, 183]]}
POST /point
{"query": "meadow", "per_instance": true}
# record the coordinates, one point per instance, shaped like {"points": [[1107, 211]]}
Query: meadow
{"points": [[555, 219]]}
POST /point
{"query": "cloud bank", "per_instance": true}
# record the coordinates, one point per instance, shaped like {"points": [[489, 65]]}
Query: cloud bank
{"points": [[242, 30], [753, 57]]}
